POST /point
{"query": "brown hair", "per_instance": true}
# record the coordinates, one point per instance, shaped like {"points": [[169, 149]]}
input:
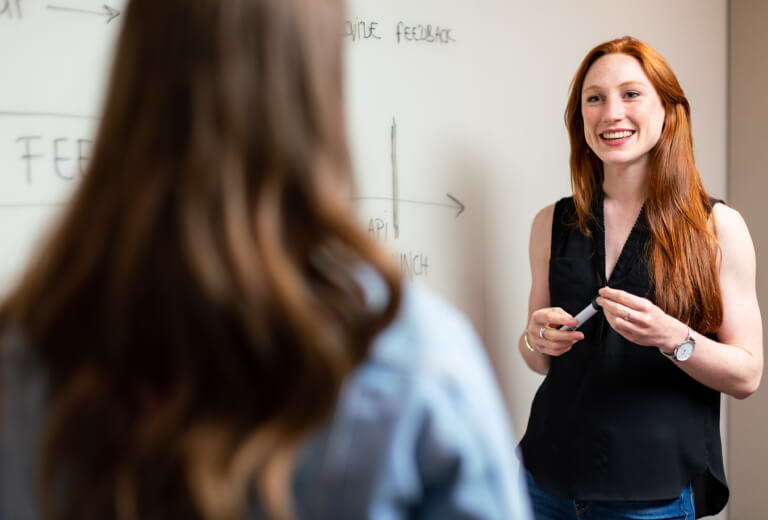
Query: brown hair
{"points": [[198, 305], [683, 250]]}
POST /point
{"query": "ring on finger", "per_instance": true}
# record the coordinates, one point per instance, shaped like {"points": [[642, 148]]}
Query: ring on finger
{"points": [[541, 333], [628, 317]]}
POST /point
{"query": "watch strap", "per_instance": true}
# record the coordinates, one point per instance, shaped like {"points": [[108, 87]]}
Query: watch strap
{"points": [[690, 339], [669, 356]]}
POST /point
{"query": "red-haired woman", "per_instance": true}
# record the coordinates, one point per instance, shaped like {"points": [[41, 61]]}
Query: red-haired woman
{"points": [[626, 422]]}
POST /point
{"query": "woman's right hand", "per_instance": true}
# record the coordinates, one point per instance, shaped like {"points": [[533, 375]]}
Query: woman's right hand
{"points": [[544, 335], [542, 318]]}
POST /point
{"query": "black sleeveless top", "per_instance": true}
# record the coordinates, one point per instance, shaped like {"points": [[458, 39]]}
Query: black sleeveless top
{"points": [[614, 420]]}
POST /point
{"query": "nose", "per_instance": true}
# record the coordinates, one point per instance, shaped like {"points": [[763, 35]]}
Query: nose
{"points": [[613, 109]]}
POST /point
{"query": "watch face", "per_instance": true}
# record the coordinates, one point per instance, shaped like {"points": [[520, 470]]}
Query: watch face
{"points": [[684, 351]]}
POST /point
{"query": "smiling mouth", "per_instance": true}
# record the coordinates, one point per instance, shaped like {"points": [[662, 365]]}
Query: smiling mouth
{"points": [[616, 135]]}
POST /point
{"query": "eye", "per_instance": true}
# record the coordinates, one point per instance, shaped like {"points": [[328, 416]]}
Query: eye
{"points": [[632, 94], [594, 98]]}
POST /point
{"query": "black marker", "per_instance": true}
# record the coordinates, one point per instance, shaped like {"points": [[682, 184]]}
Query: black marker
{"points": [[586, 313]]}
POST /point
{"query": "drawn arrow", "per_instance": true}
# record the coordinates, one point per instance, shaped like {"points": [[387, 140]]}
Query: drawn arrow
{"points": [[460, 205], [110, 12], [454, 204]]}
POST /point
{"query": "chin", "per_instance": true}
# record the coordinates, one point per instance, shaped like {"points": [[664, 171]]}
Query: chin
{"points": [[615, 157]]}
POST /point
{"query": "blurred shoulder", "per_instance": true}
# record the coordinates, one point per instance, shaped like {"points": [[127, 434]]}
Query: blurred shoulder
{"points": [[22, 419], [409, 431], [435, 353], [19, 364], [429, 335], [425, 328]]}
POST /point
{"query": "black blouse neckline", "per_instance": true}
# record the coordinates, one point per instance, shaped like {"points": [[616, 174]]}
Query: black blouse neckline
{"points": [[631, 248]]}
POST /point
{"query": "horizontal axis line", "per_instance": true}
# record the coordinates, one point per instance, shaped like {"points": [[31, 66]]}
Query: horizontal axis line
{"points": [[11, 113]]}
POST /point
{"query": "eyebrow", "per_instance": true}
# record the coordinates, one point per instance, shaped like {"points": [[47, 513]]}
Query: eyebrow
{"points": [[622, 85]]}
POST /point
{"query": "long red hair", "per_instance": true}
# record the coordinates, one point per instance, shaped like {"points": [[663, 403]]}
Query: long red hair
{"points": [[683, 250]]}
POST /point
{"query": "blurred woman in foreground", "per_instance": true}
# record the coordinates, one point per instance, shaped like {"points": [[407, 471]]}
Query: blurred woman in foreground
{"points": [[208, 333]]}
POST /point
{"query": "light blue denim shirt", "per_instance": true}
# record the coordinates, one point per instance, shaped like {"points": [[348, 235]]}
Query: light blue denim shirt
{"points": [[420, 431]]}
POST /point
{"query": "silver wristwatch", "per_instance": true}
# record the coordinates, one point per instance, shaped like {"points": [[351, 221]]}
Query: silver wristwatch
{"points": [[684, 350]]}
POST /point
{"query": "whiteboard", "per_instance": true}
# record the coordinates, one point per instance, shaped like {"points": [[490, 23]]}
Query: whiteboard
{"points": [[54, 58], [455, 115]]}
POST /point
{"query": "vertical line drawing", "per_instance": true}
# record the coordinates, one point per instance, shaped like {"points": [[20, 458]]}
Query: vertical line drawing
{"points": [[395, 188]]}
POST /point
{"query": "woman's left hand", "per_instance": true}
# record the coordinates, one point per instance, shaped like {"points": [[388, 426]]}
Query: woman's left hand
{"points": [[639, 320]]}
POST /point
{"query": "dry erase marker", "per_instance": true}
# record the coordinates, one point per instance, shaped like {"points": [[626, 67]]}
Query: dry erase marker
{"points": [[586, 313]]}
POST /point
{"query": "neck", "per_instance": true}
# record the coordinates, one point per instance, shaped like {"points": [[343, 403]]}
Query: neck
{"points": [[626, 183]]}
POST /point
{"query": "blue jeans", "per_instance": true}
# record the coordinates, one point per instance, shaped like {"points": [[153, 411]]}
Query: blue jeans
{"points": [[552, 507]]}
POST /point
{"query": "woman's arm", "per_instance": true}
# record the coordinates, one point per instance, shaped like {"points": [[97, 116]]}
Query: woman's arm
{"points": [[734, 364], [540, 314]]}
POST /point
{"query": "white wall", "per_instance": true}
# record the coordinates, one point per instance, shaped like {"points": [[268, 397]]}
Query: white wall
{"points": [[748, 186]]}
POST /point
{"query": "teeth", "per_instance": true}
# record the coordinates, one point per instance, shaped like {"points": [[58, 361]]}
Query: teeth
{"points": [[617, 135]]}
